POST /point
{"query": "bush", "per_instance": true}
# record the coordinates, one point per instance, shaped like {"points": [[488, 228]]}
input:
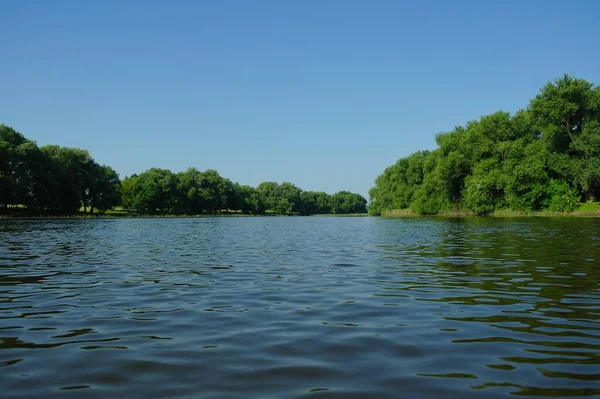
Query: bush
{"points": [[561, 197]]}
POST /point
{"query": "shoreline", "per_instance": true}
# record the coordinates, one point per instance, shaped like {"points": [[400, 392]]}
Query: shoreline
{"points": [[407, 213], [136, 216], [394, 213]]}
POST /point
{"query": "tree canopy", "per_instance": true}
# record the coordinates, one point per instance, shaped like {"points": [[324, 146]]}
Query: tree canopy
{"points": [[544, 157], [58, 180], [53, 179], [192, 192]]}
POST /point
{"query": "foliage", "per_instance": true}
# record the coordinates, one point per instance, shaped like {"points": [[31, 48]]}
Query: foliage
{"points": [[315, 202], [153, 192], [544, 157], [61, 181], [105, 193], [53, 179], [345, 202], [561, 197], [247, 200]]}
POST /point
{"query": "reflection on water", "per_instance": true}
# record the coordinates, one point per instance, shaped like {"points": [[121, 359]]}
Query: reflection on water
{"points": [[300, 307]]}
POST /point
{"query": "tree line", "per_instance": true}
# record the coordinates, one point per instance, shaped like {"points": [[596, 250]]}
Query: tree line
{"points": [[160, 191], [545, 157], [54, 180]]}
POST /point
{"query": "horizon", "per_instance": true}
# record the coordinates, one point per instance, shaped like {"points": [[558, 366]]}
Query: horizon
{"points": [[321, 96]]}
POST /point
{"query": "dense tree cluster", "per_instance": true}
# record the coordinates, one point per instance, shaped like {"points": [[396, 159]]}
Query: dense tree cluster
{"points": [[544, 157], [160, 191], [288, 199], [53, 179], [62, 181]]}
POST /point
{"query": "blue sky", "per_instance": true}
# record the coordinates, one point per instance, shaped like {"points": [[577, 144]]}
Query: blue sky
{"points": [[324, 94]]}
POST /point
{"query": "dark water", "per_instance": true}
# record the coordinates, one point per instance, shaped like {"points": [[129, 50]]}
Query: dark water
{"points": [[300, 307]]}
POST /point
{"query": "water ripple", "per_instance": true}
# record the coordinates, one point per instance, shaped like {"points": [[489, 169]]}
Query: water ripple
{"points": [[300, 307]]}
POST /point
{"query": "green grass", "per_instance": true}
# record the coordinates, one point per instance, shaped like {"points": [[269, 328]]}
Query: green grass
{"points": [[406, 213], [399, 213], [118, 211], [503, 213], [589, 209]]}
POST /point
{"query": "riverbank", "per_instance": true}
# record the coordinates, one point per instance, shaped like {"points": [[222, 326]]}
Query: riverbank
{"points": [[588, 209], [121, 214]]}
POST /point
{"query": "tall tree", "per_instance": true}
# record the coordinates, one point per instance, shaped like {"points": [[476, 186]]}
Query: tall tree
{"points": [[10, 160], [539, 158], [105, 190], [345, 202], [151, 192], [269, 191]]}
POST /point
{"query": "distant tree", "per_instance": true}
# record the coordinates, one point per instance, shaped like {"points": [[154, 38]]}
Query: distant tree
{"points": [[235, 197], [213, 190], [289, 199], [308, 201], [323, 202], [281, 198], [151, 192], [10, 162], [345, 202], [315, 202], [190, 200], [70, 178], [129, 193], [248, 200], [269, 191], [105, 191]]}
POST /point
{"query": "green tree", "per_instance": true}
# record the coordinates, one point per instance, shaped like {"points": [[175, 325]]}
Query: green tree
{"points": [[563, 108], [345, 202], [269, 190], [70, 178], [214, 190], [315, 202], [151, 192], [10, 162], [567, 114], [190, 199], [105, 191], [289, 199], [561, 197], [281, 198], [541, 157], [248, 200]]}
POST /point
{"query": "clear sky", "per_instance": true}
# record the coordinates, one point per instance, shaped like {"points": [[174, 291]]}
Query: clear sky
{"points": [[321, 93]]}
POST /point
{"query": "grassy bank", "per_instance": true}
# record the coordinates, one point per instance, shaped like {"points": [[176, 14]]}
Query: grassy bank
{"points": [[407, 213], [588, 209]]}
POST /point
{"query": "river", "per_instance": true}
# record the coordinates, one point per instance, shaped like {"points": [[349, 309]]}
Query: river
{"points": [[300, 307]]}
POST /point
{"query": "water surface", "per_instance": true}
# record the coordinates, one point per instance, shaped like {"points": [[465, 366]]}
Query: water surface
{"points": [[300, 307]]}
